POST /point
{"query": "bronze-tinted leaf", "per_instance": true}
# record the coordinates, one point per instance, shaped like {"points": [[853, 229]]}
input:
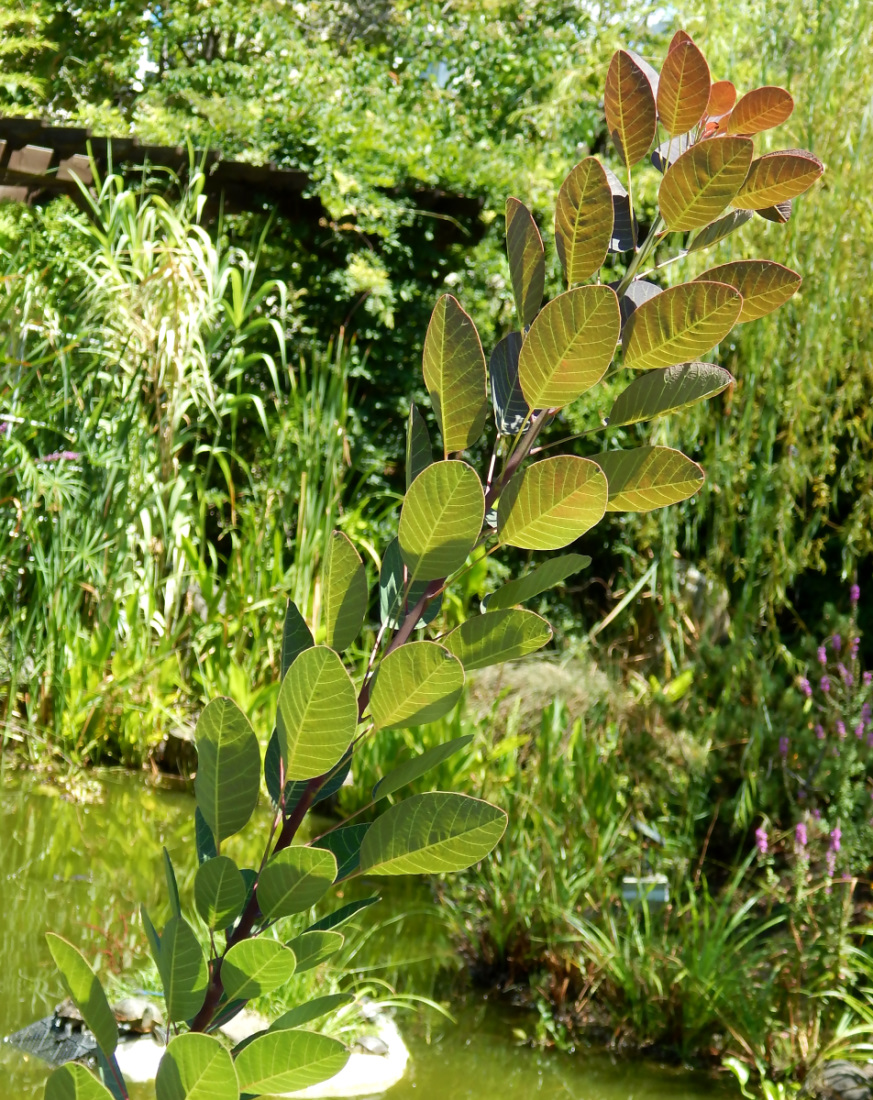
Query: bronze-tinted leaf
{"points": [[648, 477], [764, 285], [658, 392], [678, 39], [760, 109], [527, 264], [722, 97], [629, 103], [683, 91], [569, 346], [650, 73], [716, 231], [776, 177], [552, 502], [583, 221], [780, 213], [703, 181], [680, 324], [669, 151], [454, 373]]}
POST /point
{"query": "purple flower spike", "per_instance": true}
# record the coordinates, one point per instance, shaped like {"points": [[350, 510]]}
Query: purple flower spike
{"points": [[783, 747], [859, 730], [841, 729], [806, 687], [868, 679], [853, 652], [817, 813], [866, 712], [836, 837], [870, 740], [819, 732], [825, 684], [854, 593], [761, 839], [822, 655], [800, 835], [837, 643]]}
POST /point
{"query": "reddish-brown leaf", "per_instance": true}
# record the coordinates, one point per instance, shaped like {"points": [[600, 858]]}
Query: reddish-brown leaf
{"points": [[780, 213], [678, 39], [583, 220], [760, 109], [776, 177], [629, 104], [683, 90], [722, 97]]}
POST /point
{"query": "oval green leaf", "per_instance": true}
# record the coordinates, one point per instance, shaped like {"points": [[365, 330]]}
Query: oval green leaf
{"points": [[296, 636], [84, 987], [583, 221], [413, 769], [431, 833], [416, 684], [196, 1067], [510, 407], [419, 453], [629, 104], [497, 636], [345, 592], [544, 577], [527, 263], [73, 1082], [778, 177], [648, 477], [551, 503], [311, 949], [254, 967], [680, 324], [703, 181], [318, 712], [228, 768], [569, 346], [658, 392], [683, 89], [219, 892], [288, 1060], [184, 974], [719, 229], [760, 109], [441, 520], [454, 374], [294, 880], [311, 1010], [764, 285]]}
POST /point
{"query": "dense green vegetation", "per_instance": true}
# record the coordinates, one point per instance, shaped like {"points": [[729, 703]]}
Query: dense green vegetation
{"points": [[189, 408]]}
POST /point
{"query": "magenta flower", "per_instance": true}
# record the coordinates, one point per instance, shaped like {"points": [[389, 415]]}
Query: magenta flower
{"points": [[859, 730], [867, 679], [800, 835], [865, 712], [761, 839], [854, 648], [836, 837], [822, 654], [825, 684], [806, 687], [819, 732], [837, 643], [841, 729], [854, 593], [783, 747], [60, 456], [817, 813]]}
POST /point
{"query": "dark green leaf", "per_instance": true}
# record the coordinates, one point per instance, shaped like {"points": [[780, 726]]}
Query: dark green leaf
{"points": [[296, 636], [410, 770], [341, 915], [228, 768], [419, 453], [544, 577], [203, 836], [345, 845], [393, 607], [510, 407], [312, 1010], [719, 229], [172, 885]]}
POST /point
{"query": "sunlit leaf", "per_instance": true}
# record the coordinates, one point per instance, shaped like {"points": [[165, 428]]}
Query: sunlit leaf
{"points": [[288, 1060], [172, 886], [312, 948], [183, 970], [431, 834], [648, 477], [497, 636], [722, 97], [419, 453], [343, 914], [678, 39], [510, 407], [760, 109], [294, 880], [395, 602], [551, 502], [219, 892], [680, 324], [777, 177], [527, 264], [252, 968], [410, 770], [196, 1067], [569, 346], [441, 520], [151, 935], [84, 987], [345, 592], [74, 1082], [311, 1010], [658, 392], [719, 229], [703, 181], [583, 221], [296, 636], [228, 768], [544, 577], [318, 708], [764, 285], [454, 374], [629, 103], [683, 90], [416, 684], [344, 844]]}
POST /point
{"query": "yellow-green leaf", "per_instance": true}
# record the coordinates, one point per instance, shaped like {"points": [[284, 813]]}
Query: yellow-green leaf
{"points": [[345, 592], [583, 221], [569, 346], [527, 263], [416, 684], [764, 285], [683, 89], [760, 109], [312, 948], [196, 1067], [253, 968], [294, 880], [454, 374], [219, 891], [552, 502], [73, 1082], [658, 392], [648, 477], [778, 177], [228, 768], [318, 713], [441, 520], [84, 987], [704, 181], [629, 104], [410, 770], [680, 324], [544, 577], [286, 1061], [497, 636], [182, 966]]}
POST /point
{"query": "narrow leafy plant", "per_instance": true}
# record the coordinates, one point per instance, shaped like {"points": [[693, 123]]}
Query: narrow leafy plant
{"points": [[251, 929]]}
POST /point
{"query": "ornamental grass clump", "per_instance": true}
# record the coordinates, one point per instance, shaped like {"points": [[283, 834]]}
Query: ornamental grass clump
{"points": [[251, 929]]}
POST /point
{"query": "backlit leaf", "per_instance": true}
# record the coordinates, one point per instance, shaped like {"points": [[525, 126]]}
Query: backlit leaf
{"points": [[311, 1010], [722, 97], [394, 600], [219, 892], [780, 213], [288, 1060], [551, 502], [719, 229], [544, 577], [583, 221], [84, 987], [431, 834], [764, 285], [454, 374], [172, 886], [683, 90], [497, 636], [344, 844], [343, 914], [183, 970], [510, 407], [74, 1082], [410, 770], [441, 520], [658, 392], [416, 684], [760, 109], [703, 181], [151, 935], [345, 592], [296, 636], [569, 347], [419, 453], [629, 104], [253, 968], [294, 880], [648, 477], [678, 39], [527, 264], [196, 1067], [312, 948], [318, 708], [680, 324], [777, 177], [228, 768]]}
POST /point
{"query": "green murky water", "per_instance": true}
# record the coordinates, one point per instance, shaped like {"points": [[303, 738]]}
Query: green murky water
{"points": [[81, 867]]}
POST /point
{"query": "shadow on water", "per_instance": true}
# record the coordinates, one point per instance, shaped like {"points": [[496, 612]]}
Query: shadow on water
{"points": [[81, 867]]}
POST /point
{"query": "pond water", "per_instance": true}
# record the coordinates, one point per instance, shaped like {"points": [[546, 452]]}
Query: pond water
{"points": [[81, 864]]}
